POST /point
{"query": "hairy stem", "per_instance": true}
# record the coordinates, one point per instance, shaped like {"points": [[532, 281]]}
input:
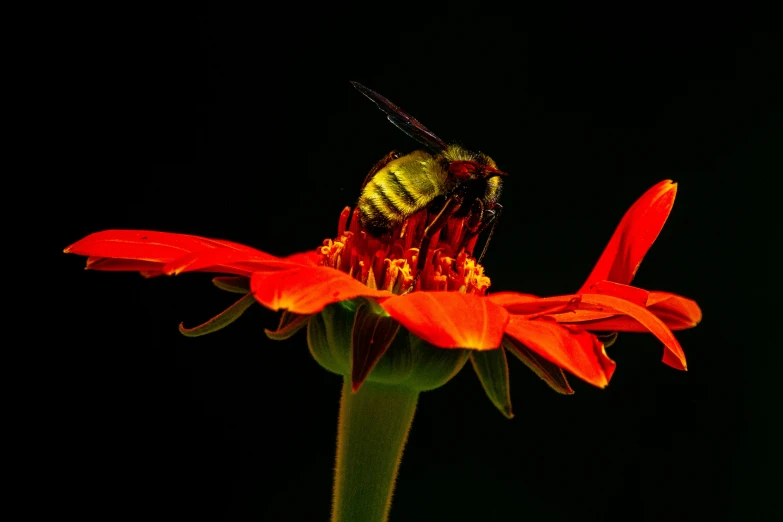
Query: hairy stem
{"points": [[373, 427]]}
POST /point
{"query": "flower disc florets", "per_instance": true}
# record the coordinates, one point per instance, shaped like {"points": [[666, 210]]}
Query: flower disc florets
{"points": [[389, 262]]}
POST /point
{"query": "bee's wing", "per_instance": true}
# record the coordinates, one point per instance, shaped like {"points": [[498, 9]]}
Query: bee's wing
{"points": [[404, 121]]}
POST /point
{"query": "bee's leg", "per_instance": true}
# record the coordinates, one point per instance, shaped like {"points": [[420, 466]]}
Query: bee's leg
{"points": [[479, 224], [449, 208], [493, 219], [393, 155]]}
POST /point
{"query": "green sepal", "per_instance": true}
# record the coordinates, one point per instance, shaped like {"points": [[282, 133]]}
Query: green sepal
{"points": [[551, 373], [432, 366], [235, 284], [290, 323], [492, 369], [396, 364], [608, 339], [372, 334], [220, 321], [407, 361], [329, 337]]}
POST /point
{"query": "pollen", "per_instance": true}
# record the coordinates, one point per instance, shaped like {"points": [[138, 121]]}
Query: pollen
{"points": [[389, 262]]}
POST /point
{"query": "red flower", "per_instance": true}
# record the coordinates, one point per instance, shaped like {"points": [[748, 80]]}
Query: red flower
{"points": [[449, 308], [606, 302]]}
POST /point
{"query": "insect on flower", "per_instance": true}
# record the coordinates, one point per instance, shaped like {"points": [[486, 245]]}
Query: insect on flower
{"points": [[353, 295], [447, 180]]}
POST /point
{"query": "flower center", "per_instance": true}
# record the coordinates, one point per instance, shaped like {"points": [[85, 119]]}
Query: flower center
{"points": [[389, 262]]}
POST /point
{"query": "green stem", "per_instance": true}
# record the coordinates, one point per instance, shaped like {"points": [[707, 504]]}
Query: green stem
{"points": [[373, 428]]}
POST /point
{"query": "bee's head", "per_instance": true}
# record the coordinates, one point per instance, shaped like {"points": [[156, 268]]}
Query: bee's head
{"points": [[466, 170]]}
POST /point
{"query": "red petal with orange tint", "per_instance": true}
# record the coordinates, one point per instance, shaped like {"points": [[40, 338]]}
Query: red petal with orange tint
{"points": [[148, 245], [307, 289], [235, 263], [450, 319], [677, 312], [634, 236], [572, 349], [608, 322], [634, 294], [163, 252], [530, 305], [673, 355], [611, 322]]}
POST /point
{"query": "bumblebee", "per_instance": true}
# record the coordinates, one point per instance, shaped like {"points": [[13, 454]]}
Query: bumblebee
{"points": [[446, 179]]}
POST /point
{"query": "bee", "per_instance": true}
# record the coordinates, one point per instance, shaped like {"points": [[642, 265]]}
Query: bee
{"points": [[447, 179]]}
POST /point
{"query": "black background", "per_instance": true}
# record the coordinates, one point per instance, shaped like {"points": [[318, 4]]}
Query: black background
{"points": [[241, 125]]}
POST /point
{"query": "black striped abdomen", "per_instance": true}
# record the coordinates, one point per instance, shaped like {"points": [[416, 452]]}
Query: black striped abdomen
{"points": [[400, 189]]}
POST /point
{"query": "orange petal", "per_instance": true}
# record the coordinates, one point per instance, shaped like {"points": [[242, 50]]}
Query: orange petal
{"points": [[570, 348], [677, 312], [526, 304], [633, 237], [163, 252], [450, 319], [636, 295], [673, 355], [148, 245], [612, 322], [232, 262], [607, 323], [307, 289]]}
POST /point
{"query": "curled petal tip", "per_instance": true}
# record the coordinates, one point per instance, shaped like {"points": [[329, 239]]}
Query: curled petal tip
{"points": [[664, 187], [634, 236], [697, 315], [677, 312]]}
